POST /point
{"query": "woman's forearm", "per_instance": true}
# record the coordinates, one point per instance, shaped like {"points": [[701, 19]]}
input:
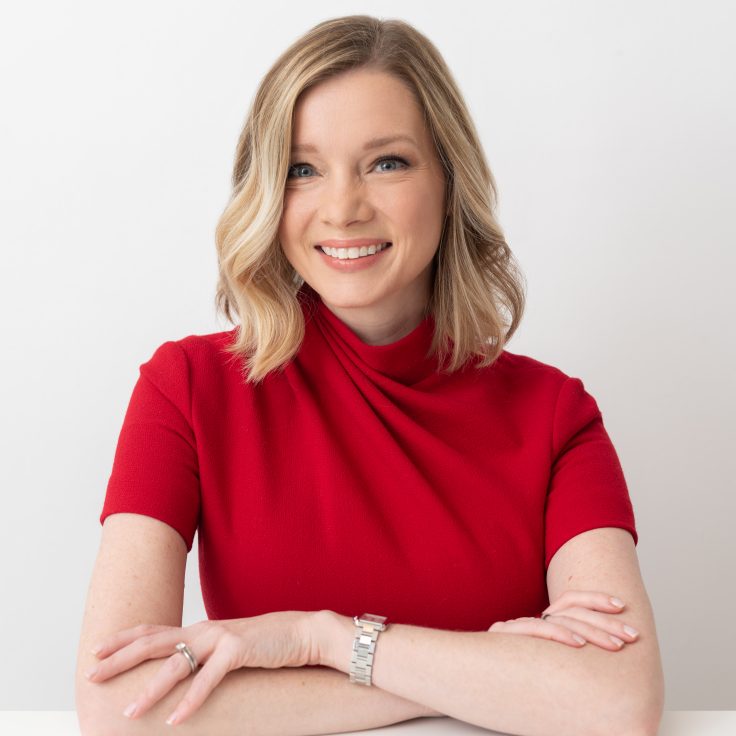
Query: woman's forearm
{"points": [[291, 701], [511, 683]]}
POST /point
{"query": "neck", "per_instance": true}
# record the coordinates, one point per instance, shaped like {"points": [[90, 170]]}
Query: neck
{"points": [[384, 323]]}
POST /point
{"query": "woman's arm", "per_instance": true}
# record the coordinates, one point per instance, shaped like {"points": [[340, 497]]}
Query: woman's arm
{"points": [[522, 684], [139, 578]]}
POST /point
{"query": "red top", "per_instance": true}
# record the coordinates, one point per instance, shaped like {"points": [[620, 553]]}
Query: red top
{"points": [[361, 479]]}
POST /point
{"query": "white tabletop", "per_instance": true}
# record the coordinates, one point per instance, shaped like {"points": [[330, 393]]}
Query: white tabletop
{"points": [[674, 723]]}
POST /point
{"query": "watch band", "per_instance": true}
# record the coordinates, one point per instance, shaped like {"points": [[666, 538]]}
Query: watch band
{"points": [[368, 627]]}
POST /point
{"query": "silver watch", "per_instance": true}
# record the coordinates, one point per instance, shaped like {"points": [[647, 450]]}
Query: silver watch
{"points": [[368, 626]]}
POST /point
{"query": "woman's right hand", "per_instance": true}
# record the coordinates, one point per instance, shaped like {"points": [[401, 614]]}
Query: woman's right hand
{"points": [[576, 613]]}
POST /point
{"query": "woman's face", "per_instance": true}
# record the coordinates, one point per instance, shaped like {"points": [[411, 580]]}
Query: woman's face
{"points": [[342, 187]]}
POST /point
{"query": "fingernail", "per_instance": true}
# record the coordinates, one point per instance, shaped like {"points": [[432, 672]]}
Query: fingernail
{"points": [[171, 720], [578, 639], [630, 631], [617, 602], [97, 649], [90, 673], [128, 712], [616, 640]]}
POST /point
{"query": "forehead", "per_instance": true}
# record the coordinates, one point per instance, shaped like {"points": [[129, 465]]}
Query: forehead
{"points": [[356, 107]]}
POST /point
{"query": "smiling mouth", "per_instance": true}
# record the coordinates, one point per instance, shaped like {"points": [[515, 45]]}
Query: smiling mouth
{"points": [[354, 253]]}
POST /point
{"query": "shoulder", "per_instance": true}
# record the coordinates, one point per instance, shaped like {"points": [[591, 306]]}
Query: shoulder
{"points": [[528, 368], [195, 350], [195, 345], [540, 390], [522, 373], [181, 365]]}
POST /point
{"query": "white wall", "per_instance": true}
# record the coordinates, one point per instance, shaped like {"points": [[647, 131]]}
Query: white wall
{"points": [[610, 130]]}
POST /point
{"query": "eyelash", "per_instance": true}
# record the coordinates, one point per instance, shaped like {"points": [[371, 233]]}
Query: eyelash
{"points": [[388, 157]]}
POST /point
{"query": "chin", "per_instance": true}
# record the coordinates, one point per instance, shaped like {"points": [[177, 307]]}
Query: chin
{"points": [[346, 295], [346, 302]]}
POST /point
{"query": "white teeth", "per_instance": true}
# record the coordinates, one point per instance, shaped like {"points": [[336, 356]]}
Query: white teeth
{"points": [[354, 252]]}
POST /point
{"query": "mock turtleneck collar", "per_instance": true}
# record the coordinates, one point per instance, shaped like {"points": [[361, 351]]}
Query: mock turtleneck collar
{"points": [[403, 361]]}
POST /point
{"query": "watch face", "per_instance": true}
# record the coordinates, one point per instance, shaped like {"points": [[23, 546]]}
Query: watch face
{"points": [[372, 618]]}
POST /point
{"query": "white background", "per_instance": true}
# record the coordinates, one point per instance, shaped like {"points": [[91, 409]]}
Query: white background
{"points": [[610, 130]]}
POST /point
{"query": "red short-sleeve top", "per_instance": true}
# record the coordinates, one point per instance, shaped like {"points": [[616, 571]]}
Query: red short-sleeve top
{"points": [[362, 478]]}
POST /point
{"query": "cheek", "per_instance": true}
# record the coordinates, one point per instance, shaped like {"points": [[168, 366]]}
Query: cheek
{"points": [[421, 210], [289, 225], [294, 216]]}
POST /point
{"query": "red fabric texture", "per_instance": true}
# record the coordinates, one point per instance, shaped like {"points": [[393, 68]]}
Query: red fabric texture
{"points": [[361, 478]]}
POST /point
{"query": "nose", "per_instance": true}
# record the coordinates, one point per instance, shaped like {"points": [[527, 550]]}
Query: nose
{"points": [[345, 200]]}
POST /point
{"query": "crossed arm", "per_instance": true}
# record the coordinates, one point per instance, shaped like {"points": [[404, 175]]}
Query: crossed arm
{"points": [[502, 681]]}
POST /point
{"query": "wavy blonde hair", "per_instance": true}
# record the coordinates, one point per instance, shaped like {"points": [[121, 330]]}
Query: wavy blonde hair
{"points": [[475, 275]]}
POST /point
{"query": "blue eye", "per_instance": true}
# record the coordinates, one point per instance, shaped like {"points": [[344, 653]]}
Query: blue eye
{"points": [[392, 158], [298, 166], [383, 159]]}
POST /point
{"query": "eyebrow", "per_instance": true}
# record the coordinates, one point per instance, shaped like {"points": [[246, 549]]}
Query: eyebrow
{"points": [[367, 146]]}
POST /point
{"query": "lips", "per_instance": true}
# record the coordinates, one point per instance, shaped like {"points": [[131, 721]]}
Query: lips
{"points": [[349, 260], [352, 253]]}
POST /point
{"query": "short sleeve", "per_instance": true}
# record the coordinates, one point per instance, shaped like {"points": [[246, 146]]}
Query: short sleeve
{"points": [[155, 471], [587, 487]]}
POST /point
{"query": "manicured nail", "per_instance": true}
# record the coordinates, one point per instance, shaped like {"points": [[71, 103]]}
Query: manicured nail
{"points": [[130, 710], [97, 649], [616, 640], [617, 602], [630, 631], [171, 720], [89, 674], [578, 639]]}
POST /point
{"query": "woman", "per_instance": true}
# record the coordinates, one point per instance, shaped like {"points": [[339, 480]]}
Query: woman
{"points": [[364, 442]]}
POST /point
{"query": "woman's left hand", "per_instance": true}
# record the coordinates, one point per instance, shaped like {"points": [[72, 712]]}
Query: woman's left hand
{"points": [[272, 640], [579, 616]]}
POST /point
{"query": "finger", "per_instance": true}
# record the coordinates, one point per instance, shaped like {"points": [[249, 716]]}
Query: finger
{"points": [[174, 669], [206, 680], [122, 638], [597, 627], [588, 598], [150, 646], [542, 629]]}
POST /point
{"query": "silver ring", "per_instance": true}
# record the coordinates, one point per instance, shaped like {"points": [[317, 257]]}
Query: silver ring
{"points": [[187, 652], [546, 615]]}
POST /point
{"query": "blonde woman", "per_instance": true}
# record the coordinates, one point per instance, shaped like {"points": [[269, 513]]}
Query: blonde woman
{"points": [[397, 517]]}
